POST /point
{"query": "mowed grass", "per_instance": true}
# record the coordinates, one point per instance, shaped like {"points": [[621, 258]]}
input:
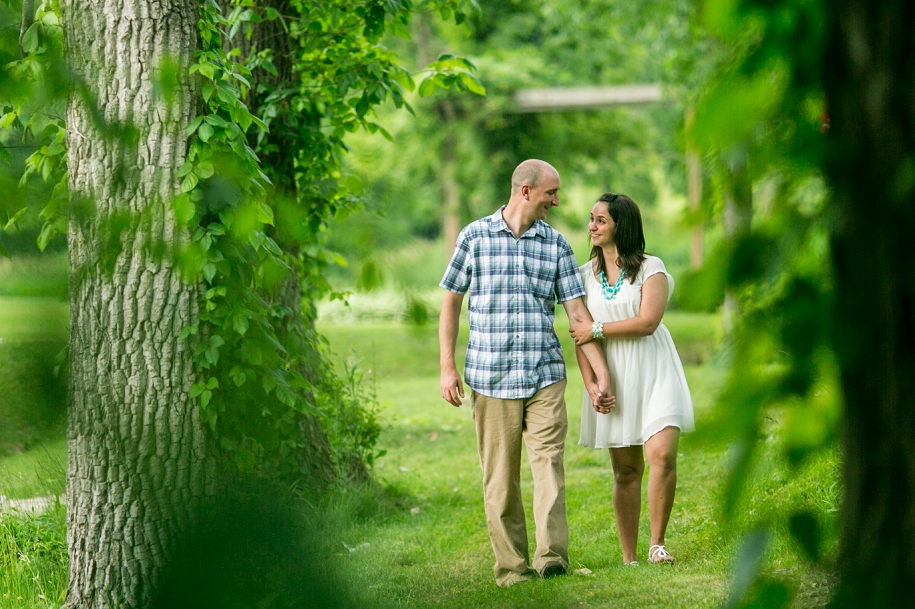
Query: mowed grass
{"points": [[424, 543], [32, 386], [435, 552]]}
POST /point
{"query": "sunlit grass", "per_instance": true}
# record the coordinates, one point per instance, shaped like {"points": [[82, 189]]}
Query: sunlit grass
{"points": [[38, 472], [435, 550], [418, 539], [38, 276]]}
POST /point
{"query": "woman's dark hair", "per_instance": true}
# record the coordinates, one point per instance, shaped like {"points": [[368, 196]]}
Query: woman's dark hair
{"points": [[627, 234]]}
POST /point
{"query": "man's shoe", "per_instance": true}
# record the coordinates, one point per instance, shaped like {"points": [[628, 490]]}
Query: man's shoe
{"points": [[552, 569]]}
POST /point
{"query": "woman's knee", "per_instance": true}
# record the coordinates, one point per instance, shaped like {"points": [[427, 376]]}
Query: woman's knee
{"points": [[628, 474], [663, 459]]}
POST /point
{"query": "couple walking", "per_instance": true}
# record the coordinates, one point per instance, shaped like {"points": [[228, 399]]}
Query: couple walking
{"points": [[515, 268]]}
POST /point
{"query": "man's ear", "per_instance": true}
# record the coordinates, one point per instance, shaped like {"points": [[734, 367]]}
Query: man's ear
{"points": [[525, 191]]}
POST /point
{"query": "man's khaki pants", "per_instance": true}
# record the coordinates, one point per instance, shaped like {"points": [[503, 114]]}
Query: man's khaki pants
{"points": [[501, 424]]}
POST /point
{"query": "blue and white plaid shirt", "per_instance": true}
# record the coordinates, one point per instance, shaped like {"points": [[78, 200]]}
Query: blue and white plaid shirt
{"points": [[514, 286]]}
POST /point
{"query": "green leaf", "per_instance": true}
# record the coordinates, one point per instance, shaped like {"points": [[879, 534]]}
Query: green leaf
{"points": [[189, 131], [353, 184], [184, 208], [205, 132], [207, 70], [187, 331], [285, 395], [426, 87], [189, 182], [205, 398], [240, 323], [205, 169], [245, 459], [185, 169], [30, 39], [197, 389], [209, 271], [53, 227], [268, 382], [473, 85], [216, 120], [16, 216], [8, 119]]}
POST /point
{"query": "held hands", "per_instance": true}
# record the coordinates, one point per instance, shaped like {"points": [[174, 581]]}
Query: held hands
{"points": [[451, 387], [580, 329], [602, 398]]}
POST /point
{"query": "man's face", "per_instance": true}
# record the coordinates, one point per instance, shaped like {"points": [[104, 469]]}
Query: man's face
{"points": [[546, 194]]}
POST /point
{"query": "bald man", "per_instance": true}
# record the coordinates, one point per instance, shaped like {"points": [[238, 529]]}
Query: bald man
{"points": [[516, 267]]}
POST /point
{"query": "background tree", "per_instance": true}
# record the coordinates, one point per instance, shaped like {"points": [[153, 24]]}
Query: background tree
{"points": [[478, 141]]}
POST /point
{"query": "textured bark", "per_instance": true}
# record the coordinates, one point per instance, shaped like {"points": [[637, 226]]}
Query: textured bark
{"points": [[138, 463], [870, 87]]}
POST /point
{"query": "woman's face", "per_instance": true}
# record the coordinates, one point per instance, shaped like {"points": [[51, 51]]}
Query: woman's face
{"points": [[601, 225]]}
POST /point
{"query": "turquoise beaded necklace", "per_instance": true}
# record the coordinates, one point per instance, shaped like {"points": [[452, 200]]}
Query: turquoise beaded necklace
{"points": [[608, 290]]}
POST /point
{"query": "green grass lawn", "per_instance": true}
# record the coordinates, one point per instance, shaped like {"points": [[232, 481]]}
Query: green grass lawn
{"points": [[32, 391], [435, 551], [424, 542]]}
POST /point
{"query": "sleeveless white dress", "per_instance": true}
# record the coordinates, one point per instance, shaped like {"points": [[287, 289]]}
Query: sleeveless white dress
{"points": [[646, 375]]}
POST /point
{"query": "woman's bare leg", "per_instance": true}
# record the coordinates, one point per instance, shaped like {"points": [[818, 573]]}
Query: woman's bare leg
{"points": [[661, 453], [628, 467]]}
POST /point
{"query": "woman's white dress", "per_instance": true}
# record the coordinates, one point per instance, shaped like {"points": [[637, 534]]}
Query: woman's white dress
{"points": [[646, 375]]}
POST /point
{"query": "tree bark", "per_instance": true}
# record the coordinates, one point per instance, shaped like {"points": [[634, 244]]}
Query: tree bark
{"points": [[138, 455], [870, 92]]}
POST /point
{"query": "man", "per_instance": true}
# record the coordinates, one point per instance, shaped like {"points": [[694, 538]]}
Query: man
{"points": [[516, 267]]}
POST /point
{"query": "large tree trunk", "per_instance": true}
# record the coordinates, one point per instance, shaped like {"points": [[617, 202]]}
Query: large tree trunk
{"points": [[871, 99], [138, 454]]}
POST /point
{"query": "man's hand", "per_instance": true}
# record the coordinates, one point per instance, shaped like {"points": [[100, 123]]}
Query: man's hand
{"points": [[580, 329], [450, 381], [451, 387], [602, 398]]}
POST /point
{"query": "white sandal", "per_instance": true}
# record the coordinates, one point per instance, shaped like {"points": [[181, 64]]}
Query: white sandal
{"points": [[659, 555]]}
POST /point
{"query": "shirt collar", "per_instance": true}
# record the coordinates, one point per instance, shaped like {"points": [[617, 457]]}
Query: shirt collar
{"points": [[497, 224]]}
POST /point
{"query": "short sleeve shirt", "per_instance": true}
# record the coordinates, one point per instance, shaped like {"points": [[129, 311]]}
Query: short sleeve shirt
{"points": [[514, 285]]}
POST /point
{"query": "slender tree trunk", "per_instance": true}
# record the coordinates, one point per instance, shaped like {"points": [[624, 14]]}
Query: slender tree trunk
{"points": [[138, 454], [693, 188], [870, 91]]}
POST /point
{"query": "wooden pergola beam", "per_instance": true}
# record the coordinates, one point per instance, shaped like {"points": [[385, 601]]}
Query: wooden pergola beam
{"points": [[558, 99]]}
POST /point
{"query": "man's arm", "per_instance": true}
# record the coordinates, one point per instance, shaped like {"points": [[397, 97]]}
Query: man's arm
{"points": [[654, 300], [450, 381], [601, 394]]}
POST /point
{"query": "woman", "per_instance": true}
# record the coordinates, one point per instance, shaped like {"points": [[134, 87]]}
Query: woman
{"points": [[627, 292]]}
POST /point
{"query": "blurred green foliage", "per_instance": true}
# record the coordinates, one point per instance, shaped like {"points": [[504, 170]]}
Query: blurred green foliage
{"points": [[516, 45]]}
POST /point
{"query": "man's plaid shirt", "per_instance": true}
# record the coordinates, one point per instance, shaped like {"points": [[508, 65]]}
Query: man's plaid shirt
{"points": [[514, 285]]}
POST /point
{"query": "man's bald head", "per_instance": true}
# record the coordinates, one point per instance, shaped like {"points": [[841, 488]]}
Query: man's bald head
{"points": [[530, 172]]}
